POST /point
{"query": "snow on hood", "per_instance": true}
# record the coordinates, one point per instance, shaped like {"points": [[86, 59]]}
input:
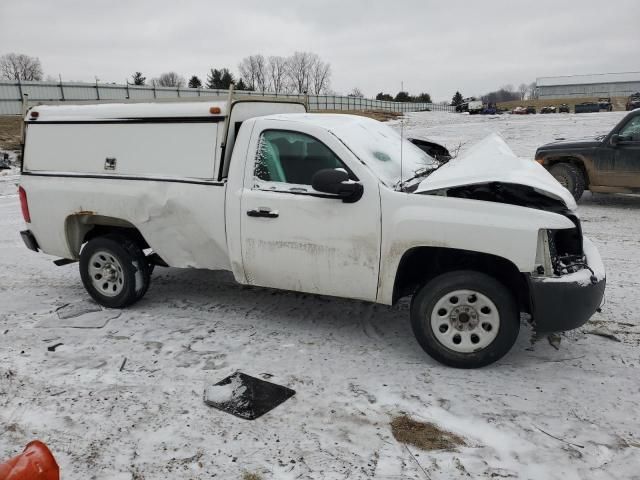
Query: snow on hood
{"points": [[491, 160]]}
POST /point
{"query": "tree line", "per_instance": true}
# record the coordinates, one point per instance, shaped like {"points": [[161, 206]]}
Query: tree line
{"points": [[302, 72], [403, 96], [299, 73]]}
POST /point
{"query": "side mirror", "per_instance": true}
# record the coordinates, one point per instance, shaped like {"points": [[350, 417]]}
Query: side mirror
{"points": [[337, 182], [615, 138]]}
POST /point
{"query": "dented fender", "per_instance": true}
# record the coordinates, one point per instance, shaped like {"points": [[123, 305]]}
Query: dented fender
{"points": [[411, 220]]}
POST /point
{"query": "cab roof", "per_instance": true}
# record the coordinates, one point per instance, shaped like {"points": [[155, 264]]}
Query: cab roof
{"points": [[328, 121]]}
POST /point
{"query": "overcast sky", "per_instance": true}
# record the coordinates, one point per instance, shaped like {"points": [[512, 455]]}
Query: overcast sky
{"points": [[433, 46]]}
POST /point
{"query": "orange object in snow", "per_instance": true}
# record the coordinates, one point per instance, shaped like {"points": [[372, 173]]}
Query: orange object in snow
{"points": [[36, 462]]}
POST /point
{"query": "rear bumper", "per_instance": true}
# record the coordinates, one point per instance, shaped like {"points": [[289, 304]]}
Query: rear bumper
{"points": [[567, 302], [29, 240]]}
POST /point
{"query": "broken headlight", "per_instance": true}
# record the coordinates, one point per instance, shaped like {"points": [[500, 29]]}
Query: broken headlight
{"points": [[560, 252]]}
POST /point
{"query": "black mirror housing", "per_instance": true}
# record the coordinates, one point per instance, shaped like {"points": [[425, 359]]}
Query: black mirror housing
{"points": [[615, 138], [337, 182]]}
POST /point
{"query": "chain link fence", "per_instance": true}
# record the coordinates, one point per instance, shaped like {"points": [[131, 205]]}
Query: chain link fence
{"points": [[11, 93]]}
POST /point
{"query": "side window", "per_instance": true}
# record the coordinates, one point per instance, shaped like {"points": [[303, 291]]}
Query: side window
{"points": [[291, 157], [631, 131]]}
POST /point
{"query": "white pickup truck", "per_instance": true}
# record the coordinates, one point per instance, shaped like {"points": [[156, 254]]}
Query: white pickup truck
{"points": [[328, 204]]}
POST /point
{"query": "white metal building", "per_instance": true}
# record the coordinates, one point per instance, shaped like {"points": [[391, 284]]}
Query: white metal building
{"points": [[596, 85]]}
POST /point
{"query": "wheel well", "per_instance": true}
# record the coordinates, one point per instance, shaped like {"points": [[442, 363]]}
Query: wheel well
{"points": [[421, 264], [576, 162], [81, 228]]}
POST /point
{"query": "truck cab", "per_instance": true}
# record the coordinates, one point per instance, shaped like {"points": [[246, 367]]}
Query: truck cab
{"points": [[336, 205]]}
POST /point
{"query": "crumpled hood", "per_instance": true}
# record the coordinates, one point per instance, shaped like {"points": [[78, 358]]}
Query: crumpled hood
{"points": [[491, 160]]}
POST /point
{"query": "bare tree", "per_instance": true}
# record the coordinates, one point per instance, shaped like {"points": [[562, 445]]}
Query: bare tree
{"points": [[356, 92], [320, 76], [262, 80], [17, 66], [247, 72], [253, 70], [302, 72], [170, 79], [299, 71], [533, 90], [523, 88], [277, 74]]}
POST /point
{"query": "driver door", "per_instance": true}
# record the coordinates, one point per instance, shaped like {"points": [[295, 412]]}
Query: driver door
{"points": [[626, 168], [296, 238]]}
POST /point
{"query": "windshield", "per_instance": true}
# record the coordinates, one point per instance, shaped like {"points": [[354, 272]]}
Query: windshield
{"points": [[379, 146]]}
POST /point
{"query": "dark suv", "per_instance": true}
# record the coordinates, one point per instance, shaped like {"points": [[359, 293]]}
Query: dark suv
{"points": [[633, 102], [607, 163]]}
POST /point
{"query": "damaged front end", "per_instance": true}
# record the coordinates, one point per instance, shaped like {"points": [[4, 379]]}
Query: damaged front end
{"points": [[567, 283]]}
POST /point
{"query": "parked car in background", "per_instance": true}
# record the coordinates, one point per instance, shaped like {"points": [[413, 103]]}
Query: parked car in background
{"points": [[489, 109], [604, 103], [470, 105], [633, 102], [474, 106], [519, 111], [548, 109], [587, 107], [337, 205], [607, 163], [5, 164], [564, 108], [531, 109]]}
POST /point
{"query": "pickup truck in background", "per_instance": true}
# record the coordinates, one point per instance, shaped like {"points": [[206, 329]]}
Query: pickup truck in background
{"points": [[586, 107], [604, 103], [470, 105], [327, 204], [606, 164], [633, 102]]}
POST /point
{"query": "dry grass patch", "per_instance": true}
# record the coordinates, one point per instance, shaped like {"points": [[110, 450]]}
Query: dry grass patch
{"points": [[251, 476], [423, 435], [379, 115], [10, 132]]}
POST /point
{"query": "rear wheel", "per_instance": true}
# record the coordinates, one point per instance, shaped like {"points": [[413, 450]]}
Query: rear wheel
{"points": [[465, 319], [114, 271], [570, 177]]}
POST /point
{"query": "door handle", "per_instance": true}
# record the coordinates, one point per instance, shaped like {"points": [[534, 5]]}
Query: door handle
{"points": [[263, 212]]}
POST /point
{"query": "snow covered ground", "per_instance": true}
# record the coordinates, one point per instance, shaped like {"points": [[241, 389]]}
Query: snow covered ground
{"points": [[542, 412]]}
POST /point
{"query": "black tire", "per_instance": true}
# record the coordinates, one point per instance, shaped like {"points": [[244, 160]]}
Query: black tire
{"points": [[570, 177], [425, 300], [133, 272]]}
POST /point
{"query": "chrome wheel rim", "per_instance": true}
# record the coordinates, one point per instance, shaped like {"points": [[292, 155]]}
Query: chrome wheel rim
{"points": [[106, 273], [465, 321]]}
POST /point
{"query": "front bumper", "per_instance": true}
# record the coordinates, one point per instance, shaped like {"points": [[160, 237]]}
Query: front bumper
{"points": [[567, 302], [29, 240]]}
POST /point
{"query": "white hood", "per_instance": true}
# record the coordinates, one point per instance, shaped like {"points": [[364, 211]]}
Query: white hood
{"points": [[491, 160]]}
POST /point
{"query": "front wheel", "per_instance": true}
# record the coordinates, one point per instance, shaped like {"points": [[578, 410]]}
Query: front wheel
{"points": [[465, 319], [570, 177], [114, 271]]}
